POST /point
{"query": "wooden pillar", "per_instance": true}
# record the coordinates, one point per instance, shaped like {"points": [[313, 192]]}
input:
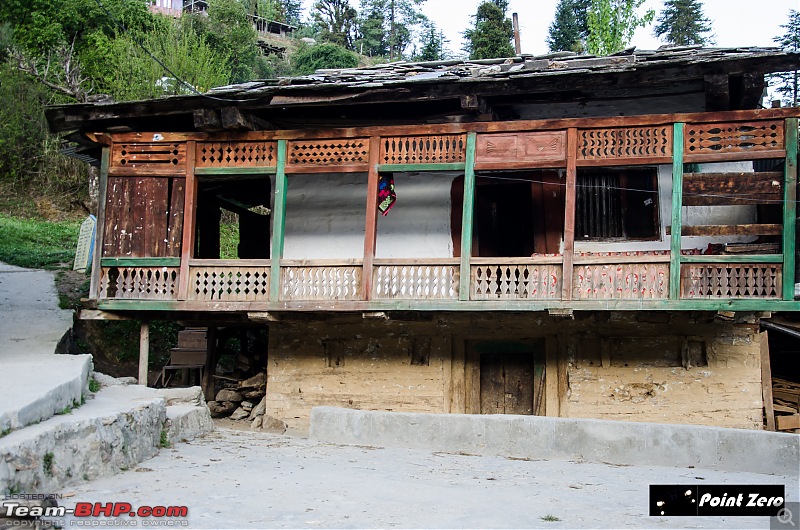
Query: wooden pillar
{"points": [[371, 224], [278, 224], [466, 218], [99, 228], [766, 382], [790, 209], [677, 214], [211, 363], [144, 352], [569, 213], [189, 215]]}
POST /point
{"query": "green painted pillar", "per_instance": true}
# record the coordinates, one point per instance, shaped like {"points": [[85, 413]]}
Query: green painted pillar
{"points": [[677, 217], [790, 210], [278, 224], [466, 218]]}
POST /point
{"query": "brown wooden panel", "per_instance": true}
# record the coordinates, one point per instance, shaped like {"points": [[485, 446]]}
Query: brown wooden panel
{"points": [[534, 147], [734, 137], [713, 189], [175, 224], [625, 142], [330, 153], [423, 149], [519, 383], [236, 154], [492, 386], [156, 217], [733, 230], [163, 158]]}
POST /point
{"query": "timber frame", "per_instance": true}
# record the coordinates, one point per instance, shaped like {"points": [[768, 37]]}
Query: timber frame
{"points": [[171, 280]]}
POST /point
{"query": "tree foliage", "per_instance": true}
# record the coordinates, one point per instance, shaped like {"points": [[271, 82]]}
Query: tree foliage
{"points": [[491, 35], [309, 59], [682, 23], [387, 27], [335, 21], [612, 24], [787, 84], [432, 44], [570, 27]]}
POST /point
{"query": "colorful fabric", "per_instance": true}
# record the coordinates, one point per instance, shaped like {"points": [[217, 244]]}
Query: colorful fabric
{"points": [[386, 194]]}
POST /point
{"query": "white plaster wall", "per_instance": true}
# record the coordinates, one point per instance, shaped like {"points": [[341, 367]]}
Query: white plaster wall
{"points": [[418, 226], [325, 215]]}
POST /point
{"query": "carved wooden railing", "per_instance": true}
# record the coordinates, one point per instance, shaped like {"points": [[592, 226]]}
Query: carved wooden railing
{"points": [[620, 277], [415, 279], [423, 149], [321, 280], [138, 283], [236, 154], [229, 280], [731, 280], [516, 278]]}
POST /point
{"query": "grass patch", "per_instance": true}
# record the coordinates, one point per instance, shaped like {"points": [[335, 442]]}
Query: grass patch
{"points": [[37, 244], [47, 463], [164, 442], [5, 432], [94, 386], [550, 518]]}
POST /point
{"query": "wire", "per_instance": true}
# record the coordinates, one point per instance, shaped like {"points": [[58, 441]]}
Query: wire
{"points": [[161, 63], [656, 192]]}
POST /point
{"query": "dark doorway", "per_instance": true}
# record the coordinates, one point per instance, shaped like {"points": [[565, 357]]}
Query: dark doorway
{"points": [[511, 377]]}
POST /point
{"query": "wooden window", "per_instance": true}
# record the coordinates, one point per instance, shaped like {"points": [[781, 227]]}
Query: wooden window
{"points": [[617, 204]]}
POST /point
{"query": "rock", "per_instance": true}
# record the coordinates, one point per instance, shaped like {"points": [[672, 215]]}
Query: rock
{"points": [[229, 395], [128, 380], [268, 423], [183, 396], [260, 409], [221, 409], [257, 422], [239, 414], [254, 395], [257, 381], [247, 405], [105, 380]]}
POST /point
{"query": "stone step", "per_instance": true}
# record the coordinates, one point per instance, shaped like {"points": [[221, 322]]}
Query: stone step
{"points": [[36, 388], [116, 429]]}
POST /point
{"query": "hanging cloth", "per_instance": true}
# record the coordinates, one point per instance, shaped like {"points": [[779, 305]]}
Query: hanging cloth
{"points": [[386, 194]]}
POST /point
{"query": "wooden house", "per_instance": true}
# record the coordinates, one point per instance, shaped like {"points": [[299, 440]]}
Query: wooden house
{"points": [[571, 236]]}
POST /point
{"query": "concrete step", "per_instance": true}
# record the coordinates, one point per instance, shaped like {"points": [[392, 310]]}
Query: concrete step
{"points": [[37, 387], [116, 429]]}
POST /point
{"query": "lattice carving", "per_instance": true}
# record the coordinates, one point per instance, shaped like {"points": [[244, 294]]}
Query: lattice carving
{"points": [[321, 283], [629, 281], [418, 282], [236, 154], [351, 151], [229, 284], [440, 149], [731, 281], [139, 283], [625, 142], [531, 282], [738, 137], [164, 157]]}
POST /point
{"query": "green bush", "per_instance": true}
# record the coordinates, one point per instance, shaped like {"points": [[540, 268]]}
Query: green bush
{"points": [[309, 59]]}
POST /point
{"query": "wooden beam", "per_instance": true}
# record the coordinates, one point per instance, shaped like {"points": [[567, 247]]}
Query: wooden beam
{"points": [[718, 96], [278, 224], [475, 104], [714, 189], [677, 201], [788, 423], [140, 262], [211, 364], [371, 223], [467, 215], [733, 258], [144, 352], [569, 213], [207, 120], [235, 119], [731, 230], [790, 210], [551, 401], [96, 314], [99, 229], [766, 381], [189, 217]]}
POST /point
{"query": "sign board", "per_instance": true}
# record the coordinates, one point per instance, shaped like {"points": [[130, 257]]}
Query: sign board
{"points": [[83, 254]]}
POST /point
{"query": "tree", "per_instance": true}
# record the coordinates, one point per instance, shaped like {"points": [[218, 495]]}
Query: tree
{"points": [[372, 35], [491, 36], [432, 44], [570, 26], [612, 24], [292, 10], [682, 23], [386, 27], [788, 83], [230, 34], [309, 59], [336, 21]]}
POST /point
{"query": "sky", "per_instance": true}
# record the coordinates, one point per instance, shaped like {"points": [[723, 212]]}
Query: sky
{"points": [[735, 22]]}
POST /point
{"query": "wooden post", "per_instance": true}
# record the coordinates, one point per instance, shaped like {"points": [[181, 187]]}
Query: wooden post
{"points": [[211, 363], [569, 213], [278, 224], [677, 217], [99, 228], [790, 209], [371, 224], [144, 352], [517, 45], [766, 381], [551, 401], [189, 216], [466, 218]]}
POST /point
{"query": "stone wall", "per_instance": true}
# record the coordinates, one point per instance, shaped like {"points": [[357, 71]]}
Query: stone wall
{"points": [[654, 367]]}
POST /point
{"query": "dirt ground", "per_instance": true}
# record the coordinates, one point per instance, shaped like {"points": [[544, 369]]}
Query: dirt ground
{"points": [[241, 479]]}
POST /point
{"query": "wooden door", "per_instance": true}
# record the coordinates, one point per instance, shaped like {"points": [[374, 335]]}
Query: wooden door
{"points": [[512, 380]]}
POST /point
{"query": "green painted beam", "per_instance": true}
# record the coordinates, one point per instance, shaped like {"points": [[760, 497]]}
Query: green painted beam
{"points": [[140, 262], [677, 221], [278, 224], [734, 258], [466, 217], [742, 304], [208, 171], [421, 167], [790, 209]]}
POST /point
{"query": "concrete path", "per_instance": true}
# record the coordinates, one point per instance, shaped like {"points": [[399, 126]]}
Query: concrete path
{"points": [[242, 479]]}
